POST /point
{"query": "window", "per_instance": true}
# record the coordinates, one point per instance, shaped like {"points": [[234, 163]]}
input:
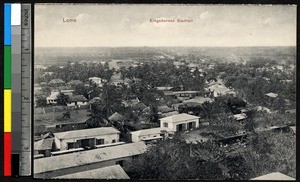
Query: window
{"points": [[100, 141], [165, 124], [71, 145], [121, 163]]}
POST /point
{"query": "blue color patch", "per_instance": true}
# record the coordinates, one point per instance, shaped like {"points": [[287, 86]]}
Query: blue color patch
{"points": [[7, 24]]}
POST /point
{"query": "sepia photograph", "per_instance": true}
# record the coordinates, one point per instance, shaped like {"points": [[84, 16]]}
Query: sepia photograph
{"points": [[164, 92]]}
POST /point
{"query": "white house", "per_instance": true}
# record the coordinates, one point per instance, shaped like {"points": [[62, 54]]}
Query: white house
{"points": [[51, 99], [180, 122], [150, 135], [97, 80], [87, 138]]}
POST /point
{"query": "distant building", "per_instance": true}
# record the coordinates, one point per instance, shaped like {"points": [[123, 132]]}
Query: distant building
{"points": [[43, 147], [106, 173], [180, 122], [150, 135], [239, 117], [60, 165], [52, 98], [75, 83], [276, 176], [189, 94], [77, 100], [86, 138], [57, 82], [97, 80]]}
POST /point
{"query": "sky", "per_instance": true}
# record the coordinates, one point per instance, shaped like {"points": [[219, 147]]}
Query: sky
{"points": [[129, 25]]}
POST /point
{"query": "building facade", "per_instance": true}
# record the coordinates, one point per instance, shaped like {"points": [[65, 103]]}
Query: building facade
{"points": [[86, 138], [180, 122]]}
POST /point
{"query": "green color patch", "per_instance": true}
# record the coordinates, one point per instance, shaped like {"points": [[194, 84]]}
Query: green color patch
{"points": [[7, 67]]}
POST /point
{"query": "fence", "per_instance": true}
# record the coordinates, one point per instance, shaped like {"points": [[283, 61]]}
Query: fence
{"points": [[59, 108]]}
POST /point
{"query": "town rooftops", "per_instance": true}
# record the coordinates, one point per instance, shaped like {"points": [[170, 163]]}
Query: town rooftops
{"points": [[86, 132], [74, 98], [109, 172], [274, 176], [179, 117], [150, 131], [199, 100], [44, 144], [88, 157], [271, 94], [56, 81]]}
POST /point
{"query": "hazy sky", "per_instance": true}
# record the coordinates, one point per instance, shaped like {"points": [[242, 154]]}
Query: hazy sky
{"points": [[129, 25]]}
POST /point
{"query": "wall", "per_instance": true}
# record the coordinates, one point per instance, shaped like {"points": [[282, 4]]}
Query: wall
{"points": [[136, 138], [107, 139], [173, 125]]}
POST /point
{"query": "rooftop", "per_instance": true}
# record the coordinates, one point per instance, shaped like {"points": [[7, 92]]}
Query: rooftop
{"points": [[54, 118], [274, 176], [44, 144], [88, 157], [54, 81], [116, 117], [74, 98], [86, 132], [271, 94], [109, 172], [199, 100], [179, 117], [149, 131]]}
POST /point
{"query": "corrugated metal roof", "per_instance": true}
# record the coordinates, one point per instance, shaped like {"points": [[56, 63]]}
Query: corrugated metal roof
{"points": [[109, 172], [88, 157], [86, 132]]}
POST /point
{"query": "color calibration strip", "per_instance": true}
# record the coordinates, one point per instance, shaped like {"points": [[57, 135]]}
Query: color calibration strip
{"points": [[12, 94], [7, 90]]}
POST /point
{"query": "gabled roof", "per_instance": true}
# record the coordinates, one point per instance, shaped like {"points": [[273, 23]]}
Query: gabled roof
{"points": [[55, 81], [74, 98], [88, 157], [150, 131], [95, 99], [139, 106], [179, 117], [164, 109], [274, 176], [109, 172], [75, 82], [44, 144], [116, 117], [86, 132]]}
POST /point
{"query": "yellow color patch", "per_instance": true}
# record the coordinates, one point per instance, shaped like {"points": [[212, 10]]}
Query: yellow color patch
{"points": [[7, 110]]}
